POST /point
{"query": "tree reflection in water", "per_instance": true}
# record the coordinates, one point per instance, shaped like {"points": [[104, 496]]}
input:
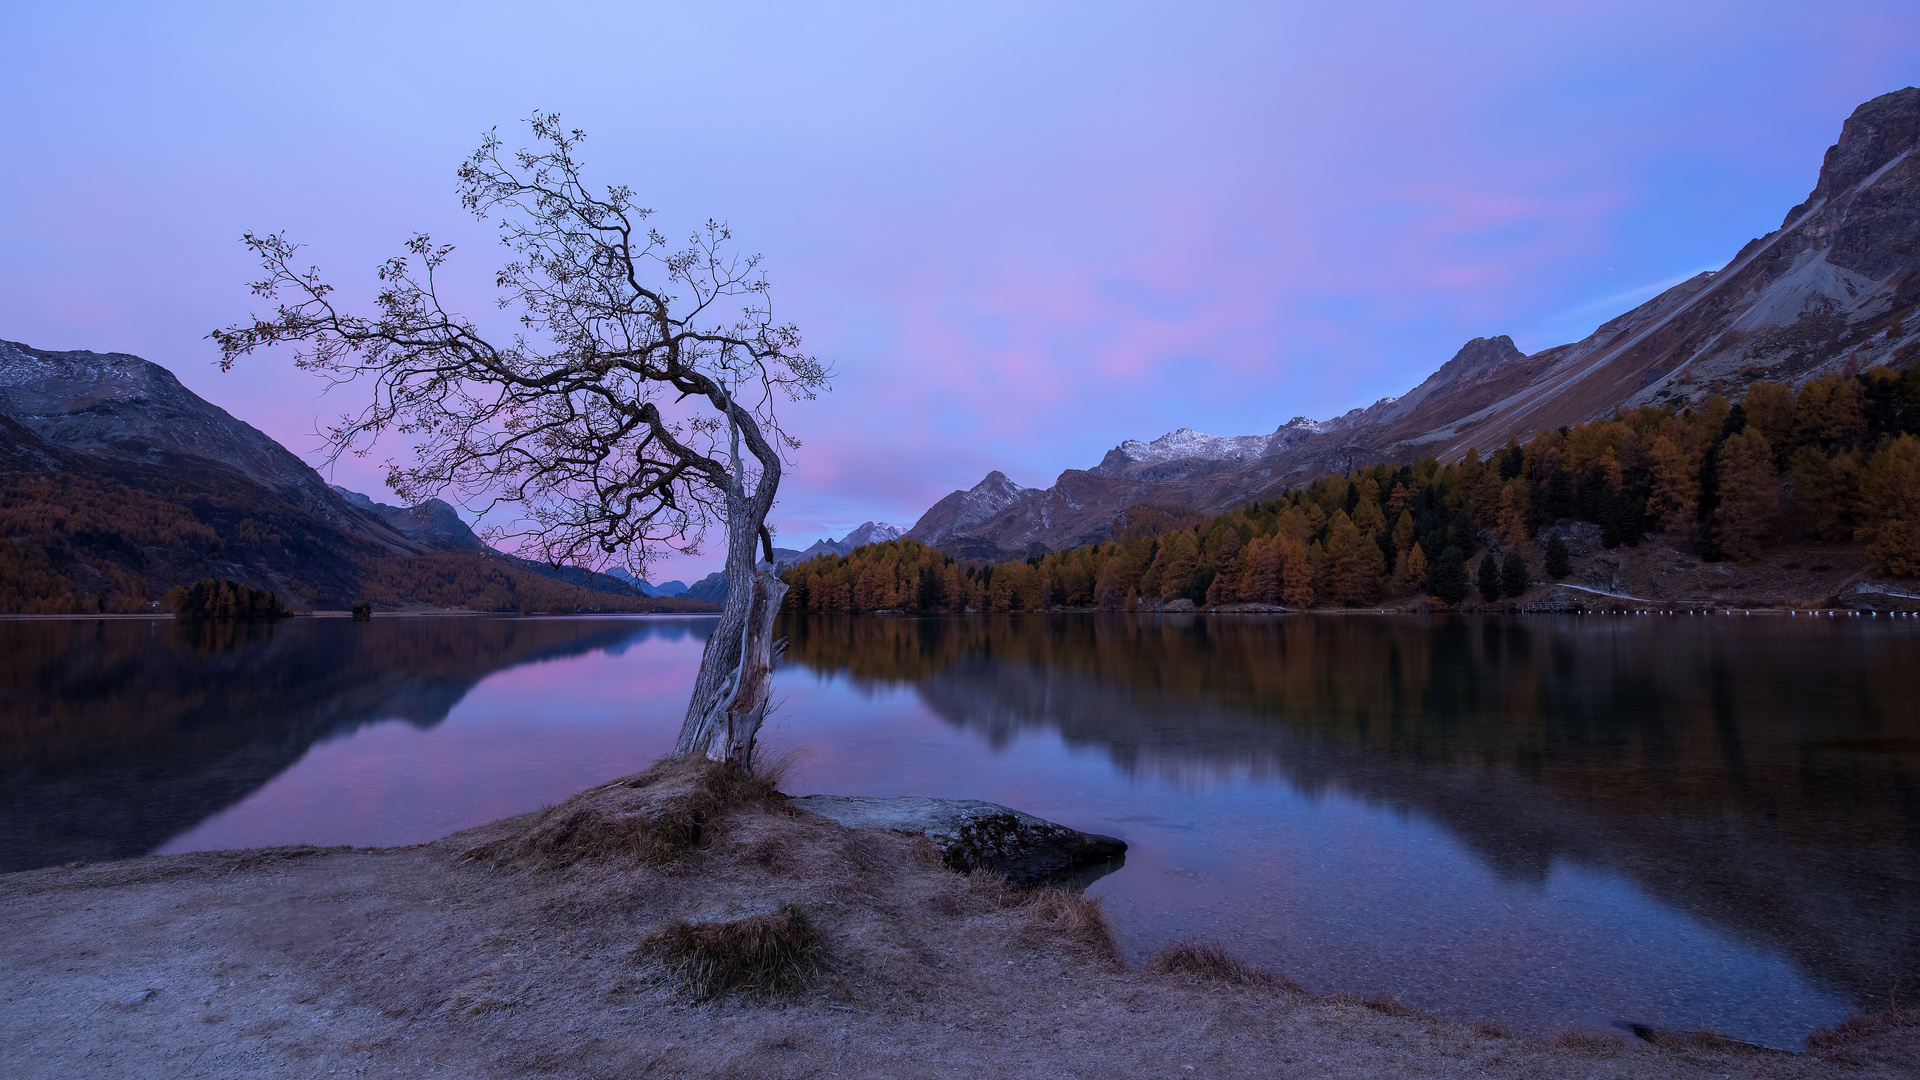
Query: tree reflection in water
{"points": [[1759, 774]]}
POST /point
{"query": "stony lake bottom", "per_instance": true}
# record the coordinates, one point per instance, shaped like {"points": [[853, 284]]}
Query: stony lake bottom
{"points": [[1544, 821]]}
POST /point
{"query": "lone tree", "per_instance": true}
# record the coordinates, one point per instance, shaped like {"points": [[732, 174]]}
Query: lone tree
{"points": [[611, 425], [1447, 579], [1489, 580], [1559, 561], [1513, 574]]}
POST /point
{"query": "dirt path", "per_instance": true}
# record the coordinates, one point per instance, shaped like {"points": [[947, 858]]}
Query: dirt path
{"points": [[519, 949]]}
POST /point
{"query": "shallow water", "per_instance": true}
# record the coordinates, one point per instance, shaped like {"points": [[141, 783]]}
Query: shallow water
{"points": [[1545, 822]]}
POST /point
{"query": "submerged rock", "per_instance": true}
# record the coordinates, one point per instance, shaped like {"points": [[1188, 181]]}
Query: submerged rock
{"points": [[972, 834]]}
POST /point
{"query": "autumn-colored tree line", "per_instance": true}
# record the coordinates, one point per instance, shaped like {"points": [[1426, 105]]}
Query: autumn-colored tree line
{"points": [[1837, 459]]}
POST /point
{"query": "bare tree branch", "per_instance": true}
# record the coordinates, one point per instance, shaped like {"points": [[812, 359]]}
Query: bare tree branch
{"points": [[563, 426]]}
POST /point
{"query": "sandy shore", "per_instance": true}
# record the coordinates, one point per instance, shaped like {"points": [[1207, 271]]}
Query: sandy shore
{"points": [[522, 949]]}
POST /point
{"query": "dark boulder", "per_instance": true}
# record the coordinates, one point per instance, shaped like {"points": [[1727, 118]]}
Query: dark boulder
{"points": [[977, 835]]}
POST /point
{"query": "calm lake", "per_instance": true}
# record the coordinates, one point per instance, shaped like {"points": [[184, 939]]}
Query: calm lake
{"points": [[1548, 821]]}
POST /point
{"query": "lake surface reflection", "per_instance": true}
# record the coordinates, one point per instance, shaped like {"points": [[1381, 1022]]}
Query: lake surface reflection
{"points": [[1546, 821]]}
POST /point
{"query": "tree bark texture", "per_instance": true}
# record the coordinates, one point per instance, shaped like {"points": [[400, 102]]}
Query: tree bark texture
{"points": [[734, 689]]}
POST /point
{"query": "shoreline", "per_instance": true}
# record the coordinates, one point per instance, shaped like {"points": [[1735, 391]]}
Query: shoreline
{"points": [[522, 946]]}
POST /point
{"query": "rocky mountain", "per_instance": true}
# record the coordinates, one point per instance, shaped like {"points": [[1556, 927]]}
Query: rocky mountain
{"points": [[120, 407], [432, 524], [964, 522], [1188, 453], [713, 587], [117, 483], [1835, 288], [872, 532]]}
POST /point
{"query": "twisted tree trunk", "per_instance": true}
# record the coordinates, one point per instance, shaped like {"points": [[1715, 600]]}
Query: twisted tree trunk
{"points": [[735, 685], [734, 689]]}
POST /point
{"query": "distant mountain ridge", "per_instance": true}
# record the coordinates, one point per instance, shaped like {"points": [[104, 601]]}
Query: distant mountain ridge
{"points": [[439, 526], [1836, 287], [665, 588]]}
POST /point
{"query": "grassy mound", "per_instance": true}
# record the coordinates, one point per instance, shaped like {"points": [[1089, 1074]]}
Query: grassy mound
{"points": [[653, 817]]}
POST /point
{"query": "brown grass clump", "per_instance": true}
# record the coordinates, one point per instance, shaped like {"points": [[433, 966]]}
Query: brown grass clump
{"points": [[1491, 1030], [1073, 918], [1209, 961], [1697, 1039], [1862, 1026], [762, 956], [1383, 1003], [653, 817], [1588, 1040]]}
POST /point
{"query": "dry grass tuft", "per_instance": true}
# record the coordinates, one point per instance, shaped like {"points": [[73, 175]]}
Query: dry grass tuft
{"points": [[1383, 1003], [1698, 1039], [990, 887], [1587, 1040], [653, 817], [1862, 1026], [1491, 1030], [1075, 919], [761, 956], [1209, 961]]}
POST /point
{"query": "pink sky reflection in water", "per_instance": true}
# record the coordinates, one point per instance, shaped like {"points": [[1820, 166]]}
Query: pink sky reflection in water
{"points": [[1328, 886], [523, 738]]}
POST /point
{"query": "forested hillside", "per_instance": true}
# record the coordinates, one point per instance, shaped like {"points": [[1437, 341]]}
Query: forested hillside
{"points": [[81, 542], [1835, 461]]}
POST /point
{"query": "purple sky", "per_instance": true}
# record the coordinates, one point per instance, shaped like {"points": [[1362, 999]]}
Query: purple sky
{"points": [[1021, 233]]}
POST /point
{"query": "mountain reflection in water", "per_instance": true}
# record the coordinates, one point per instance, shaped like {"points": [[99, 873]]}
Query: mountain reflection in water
{"points": [[1756, 774], [116, 735], [1545, 821]]}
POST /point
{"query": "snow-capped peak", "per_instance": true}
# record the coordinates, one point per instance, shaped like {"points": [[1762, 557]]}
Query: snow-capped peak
{"points": [[872, 532], [1188, 444]]}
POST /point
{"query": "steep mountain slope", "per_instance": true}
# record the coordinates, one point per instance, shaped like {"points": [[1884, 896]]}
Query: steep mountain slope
{"points": [[1834, 288], [121, 407], [117, 483]]}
